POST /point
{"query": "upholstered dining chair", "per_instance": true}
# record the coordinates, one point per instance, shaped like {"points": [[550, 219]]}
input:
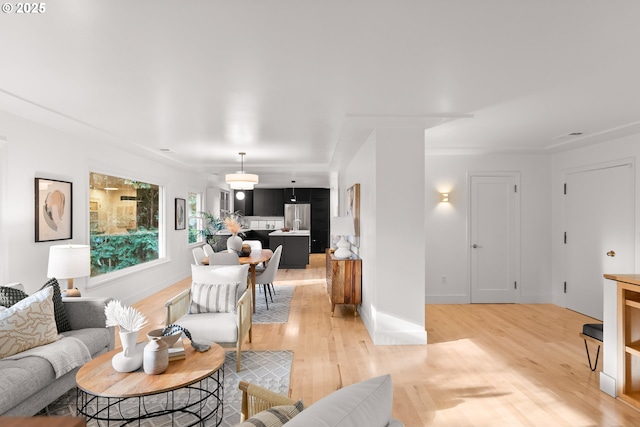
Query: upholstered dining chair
{"points": [[256, 245], [198, 255], [267, 276], [208, 250], [224, 258]]}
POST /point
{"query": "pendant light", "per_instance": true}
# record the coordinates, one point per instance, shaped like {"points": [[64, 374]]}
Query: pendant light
{"points": [[241, 180], [293, 194]]}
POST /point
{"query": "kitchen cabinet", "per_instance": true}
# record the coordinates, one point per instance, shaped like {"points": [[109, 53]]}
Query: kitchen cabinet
{"points": [[244, 206], [295, 249], [268, 202], [319, 220], [344, 281]]}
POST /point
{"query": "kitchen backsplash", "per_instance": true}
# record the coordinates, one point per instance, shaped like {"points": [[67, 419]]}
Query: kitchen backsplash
{"points": [[264, 223]]}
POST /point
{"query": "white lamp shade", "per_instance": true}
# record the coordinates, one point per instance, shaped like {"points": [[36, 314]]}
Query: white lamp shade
{"points": [[241, 180], [342, 226], [69, 261]]}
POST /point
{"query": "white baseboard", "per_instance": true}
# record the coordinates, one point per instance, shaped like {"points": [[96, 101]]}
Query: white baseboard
{"points": [[390, 330], [608, 384]]}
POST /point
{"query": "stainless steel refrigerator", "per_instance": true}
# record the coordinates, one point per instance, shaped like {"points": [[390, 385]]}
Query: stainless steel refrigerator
{"points": [[297, 216]]}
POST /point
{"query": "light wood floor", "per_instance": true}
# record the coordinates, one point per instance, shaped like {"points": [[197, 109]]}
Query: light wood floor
{"points": [[484, 365]]}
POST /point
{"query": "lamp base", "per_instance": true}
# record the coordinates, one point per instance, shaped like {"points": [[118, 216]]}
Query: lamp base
{"points": [[68, 293], [344, 249]]}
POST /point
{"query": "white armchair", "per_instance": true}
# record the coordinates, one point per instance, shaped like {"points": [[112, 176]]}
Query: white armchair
{"points": [[225, 321]]}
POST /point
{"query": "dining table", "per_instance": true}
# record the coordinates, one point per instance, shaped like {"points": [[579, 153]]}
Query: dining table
{"points": [[253, 259]]}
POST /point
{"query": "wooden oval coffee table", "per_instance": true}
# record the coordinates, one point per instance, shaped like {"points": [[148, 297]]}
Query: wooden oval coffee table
{"points": [[191, 389]]}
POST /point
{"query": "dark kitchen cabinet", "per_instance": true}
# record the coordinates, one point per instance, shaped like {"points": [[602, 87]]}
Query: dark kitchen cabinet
{"points": [[303, 195], [295, 250], [319, 198], [268, 202], [244, 206]]}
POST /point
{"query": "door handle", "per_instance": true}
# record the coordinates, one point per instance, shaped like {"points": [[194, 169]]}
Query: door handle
{"points": [[475, 246], [611, 253]]}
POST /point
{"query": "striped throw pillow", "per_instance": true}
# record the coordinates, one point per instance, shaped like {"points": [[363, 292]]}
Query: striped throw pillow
{"points": [[274, 417], [214, 298]]}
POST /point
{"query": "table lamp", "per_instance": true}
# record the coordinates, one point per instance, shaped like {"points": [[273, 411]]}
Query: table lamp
{"points": [[342, 226], [68, 262]]}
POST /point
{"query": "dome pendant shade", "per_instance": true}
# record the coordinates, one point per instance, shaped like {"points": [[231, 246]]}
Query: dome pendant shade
{"points": [[241, 180]]}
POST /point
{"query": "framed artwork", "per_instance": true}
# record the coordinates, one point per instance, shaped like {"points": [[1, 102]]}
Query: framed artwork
{"points": [[353, 211], [181, 212], [53, 210]]}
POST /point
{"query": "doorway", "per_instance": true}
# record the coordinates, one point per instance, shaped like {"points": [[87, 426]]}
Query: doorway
{"points": [[494, 242], [599, 232]]}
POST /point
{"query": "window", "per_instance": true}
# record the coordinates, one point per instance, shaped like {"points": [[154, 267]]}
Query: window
{"points": [[195, 219], [224, 203], [124, 219]]}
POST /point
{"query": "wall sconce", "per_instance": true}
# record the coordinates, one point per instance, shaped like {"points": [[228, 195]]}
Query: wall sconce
{"points": [[444, 197]]}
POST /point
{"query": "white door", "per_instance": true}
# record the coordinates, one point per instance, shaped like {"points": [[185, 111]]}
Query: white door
{"points": [[599, 224], [494, 242]]}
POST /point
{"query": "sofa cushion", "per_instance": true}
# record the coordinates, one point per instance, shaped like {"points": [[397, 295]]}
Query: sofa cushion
{"points": [[27, 324], [62, 321], [96, 339], [22, 378], [275, 416], [214, 298], [367, 403], [211, 327], [10, 296]]}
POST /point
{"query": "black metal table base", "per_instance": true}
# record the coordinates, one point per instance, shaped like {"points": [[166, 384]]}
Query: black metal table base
{"points": [[191, 405]]}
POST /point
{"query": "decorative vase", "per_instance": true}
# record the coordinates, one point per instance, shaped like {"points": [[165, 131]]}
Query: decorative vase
{"points": [[130, 358], [234, 243], [156, 356]]}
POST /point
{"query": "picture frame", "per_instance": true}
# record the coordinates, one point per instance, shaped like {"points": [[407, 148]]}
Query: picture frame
{"points": [[353, 211], [53, 210], [181, 214]]}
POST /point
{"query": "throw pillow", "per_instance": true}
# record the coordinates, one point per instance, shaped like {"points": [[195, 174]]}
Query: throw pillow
{"points": [[273, 417], [29, 323], [10, 296], [214, 298], [62, 321]]}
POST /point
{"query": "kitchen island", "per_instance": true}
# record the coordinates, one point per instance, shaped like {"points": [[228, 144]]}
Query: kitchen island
{"points": [[295, 247]]}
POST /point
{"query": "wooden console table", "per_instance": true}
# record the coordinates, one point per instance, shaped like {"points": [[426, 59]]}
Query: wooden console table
{"points": [[344, 281], [628, 331]]}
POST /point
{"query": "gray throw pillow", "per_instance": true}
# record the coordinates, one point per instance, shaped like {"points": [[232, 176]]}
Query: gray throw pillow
{"points": [[9, 296], [62, 320]]}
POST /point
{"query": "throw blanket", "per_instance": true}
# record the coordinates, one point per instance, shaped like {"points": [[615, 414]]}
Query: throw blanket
{"points": [[64, 355]]}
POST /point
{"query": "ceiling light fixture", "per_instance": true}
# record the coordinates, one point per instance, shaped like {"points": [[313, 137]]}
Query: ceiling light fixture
{"points": [[241, 180]]}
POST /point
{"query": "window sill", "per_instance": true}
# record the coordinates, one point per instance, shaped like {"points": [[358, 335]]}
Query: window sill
{"points": [[104, 279]]}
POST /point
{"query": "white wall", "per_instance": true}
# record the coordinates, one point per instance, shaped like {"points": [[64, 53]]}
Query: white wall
{"points": [[390, 169], [610, 151], [447, 251], [33, 150]]}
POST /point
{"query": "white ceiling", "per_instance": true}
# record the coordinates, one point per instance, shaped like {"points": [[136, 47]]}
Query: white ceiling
{"points": [[290, 81]]}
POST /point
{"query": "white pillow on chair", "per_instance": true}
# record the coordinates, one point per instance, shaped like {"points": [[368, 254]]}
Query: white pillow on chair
{"points": [[221, 274]]}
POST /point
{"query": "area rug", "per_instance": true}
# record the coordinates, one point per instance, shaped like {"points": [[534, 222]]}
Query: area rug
{"points": [[278, 309], [269, 369]]}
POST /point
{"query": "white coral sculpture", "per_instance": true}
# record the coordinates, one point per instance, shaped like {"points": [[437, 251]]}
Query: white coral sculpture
{"points": [[127, 318]]}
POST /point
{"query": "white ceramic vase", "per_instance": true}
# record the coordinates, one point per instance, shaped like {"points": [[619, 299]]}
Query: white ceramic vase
{"points": [[234, 243], [156, 356], [130, 358]]}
